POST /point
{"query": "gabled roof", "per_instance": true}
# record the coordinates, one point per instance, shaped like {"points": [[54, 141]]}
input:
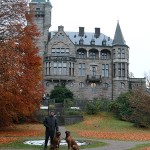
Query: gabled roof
{"points": [[88, 36], [118, 37]]}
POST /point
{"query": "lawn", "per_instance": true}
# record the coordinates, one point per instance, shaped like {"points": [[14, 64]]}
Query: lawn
{"points": [[101, 126], [106, 126]]}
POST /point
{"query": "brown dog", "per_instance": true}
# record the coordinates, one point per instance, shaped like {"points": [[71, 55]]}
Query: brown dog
{"points": [[56, 141], [71, 142]]}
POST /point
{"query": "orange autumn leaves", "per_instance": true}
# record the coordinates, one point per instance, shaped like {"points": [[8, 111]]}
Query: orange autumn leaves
{"points": [[115, 135], [95, 130], [19, 132], [20, 65], [6, 140]]}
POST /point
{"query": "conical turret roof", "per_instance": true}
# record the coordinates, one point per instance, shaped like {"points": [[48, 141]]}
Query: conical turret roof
{"points": [[118, 37]]}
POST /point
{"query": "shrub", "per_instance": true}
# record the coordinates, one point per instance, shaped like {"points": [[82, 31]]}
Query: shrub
{"points": [[133, 106], [105, 104], [140, 103], [72, 112], [121, 107], [93, 107], [59, 93]]}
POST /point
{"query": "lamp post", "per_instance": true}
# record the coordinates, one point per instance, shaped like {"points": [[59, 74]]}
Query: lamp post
{"points": [[48, 99]]}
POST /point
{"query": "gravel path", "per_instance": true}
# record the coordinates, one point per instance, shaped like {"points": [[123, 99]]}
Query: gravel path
{"points": [[112, 144], [117, 145]]}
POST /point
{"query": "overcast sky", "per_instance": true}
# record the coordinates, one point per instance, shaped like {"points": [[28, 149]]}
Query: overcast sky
{"points": [[134, 20]]}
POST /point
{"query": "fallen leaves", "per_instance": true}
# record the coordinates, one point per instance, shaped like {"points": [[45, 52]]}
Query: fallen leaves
{"points": [[28, 130], [114, 135], [147, 148], [6, 140]]}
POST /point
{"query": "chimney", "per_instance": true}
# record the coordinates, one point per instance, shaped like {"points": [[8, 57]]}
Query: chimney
{"points": [[61, 28], [97, 32], [81, 31]]}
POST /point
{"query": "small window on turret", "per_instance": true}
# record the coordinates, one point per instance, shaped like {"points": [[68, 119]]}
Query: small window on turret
{"points": [[39, 13]]}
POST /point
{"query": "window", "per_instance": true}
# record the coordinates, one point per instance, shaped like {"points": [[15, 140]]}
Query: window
{"points": [[93, 70], [92, 55], [114, 70], [81, 69], [121, 69], [60, 68], [105, 85], [122, 85], [47, 84], [121, 53], [71, 69], [93, 86], [92, 42], [53, 51], [81, 85], [71, 84], [104, 42], [105, 70], [104, 55], [47, 68], [81, 54], [114, 53], [60, 51], [81, 41], [67, 51], [39, 13]]}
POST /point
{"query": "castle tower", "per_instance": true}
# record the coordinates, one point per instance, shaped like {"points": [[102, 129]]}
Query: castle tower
{"points": [[42, 17], [120, 63]]}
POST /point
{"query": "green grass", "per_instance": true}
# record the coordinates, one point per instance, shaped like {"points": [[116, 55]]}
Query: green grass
{"points": [[21, 145], [107, 122], [140, 147], [102, 121]]}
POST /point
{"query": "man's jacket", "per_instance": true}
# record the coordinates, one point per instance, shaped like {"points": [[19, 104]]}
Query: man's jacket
{"points": [[51, 123]]}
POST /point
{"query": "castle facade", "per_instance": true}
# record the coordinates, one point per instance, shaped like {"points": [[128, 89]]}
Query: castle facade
{"points": [[90, 64]]}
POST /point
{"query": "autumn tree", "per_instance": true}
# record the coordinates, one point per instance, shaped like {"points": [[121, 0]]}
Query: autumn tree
{"points": [[140, 103], [20, 65], [133, 106]]}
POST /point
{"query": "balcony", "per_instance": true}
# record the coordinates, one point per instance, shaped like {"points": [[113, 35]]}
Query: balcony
{"points": [[59, 58], [93, 78], [59, 78]]}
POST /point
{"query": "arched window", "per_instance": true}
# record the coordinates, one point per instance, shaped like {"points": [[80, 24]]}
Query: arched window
{"points": [[81, 53], [93, 54]]}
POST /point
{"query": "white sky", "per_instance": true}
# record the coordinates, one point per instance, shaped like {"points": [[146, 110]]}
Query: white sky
{"points": [[134, 20]]}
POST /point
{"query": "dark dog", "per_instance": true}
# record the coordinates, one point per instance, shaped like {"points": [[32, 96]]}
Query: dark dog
{"points": [[56, 141], [71, 142]]}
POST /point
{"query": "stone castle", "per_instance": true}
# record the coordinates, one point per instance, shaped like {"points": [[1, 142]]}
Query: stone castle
{"points": [[91, 65]]}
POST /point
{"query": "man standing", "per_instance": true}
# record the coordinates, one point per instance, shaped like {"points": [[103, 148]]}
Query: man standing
{"points": [[51, 125]]}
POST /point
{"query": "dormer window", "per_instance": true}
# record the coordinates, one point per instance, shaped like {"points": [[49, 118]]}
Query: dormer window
{"points": [[104, 42], [92, 42], [81, 41]]}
